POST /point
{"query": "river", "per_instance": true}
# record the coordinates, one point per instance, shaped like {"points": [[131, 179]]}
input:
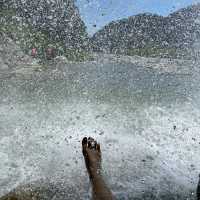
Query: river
{"points": [[147, 121]]}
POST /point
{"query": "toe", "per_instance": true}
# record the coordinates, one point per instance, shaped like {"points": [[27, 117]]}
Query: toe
{"points": [[89, 144], [84, 144], [95, 145], [92, 144], [84, 141], [98, 148], [90, 139]]}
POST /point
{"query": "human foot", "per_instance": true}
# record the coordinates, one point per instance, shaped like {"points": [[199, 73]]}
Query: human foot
{"points": [[92, 154]]}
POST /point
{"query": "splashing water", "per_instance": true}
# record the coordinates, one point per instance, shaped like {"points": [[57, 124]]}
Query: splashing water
{"points": [[146, 121]]}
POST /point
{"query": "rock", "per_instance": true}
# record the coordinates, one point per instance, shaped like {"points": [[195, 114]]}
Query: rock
{"points": [[61, 19], [61, 59], [12, 58], [127, 36]]}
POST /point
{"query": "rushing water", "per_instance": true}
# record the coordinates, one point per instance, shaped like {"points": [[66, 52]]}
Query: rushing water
{"points": [[147, 122]]}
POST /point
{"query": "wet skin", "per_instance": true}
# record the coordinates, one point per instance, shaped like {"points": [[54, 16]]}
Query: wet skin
{"points": [[92, 154]]}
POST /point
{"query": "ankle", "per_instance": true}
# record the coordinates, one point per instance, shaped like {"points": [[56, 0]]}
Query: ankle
{"points": [[95, 174]]}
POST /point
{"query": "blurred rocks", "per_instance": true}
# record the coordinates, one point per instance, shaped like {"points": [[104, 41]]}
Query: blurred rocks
{"points": [[149, 34], [13, 60], [59, 19]]}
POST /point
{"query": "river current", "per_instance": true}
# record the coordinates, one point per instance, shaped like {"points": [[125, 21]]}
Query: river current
{"points": [[147, 122]]}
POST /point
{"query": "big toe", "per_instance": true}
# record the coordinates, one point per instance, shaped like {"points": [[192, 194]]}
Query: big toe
{"points": [[84, 144]]}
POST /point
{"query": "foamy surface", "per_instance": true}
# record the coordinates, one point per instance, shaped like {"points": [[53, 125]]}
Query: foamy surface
{"points": [[147, 123]]}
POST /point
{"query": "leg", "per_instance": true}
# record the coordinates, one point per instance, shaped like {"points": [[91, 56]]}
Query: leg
{"points": [[198, 189], [92, 155]]}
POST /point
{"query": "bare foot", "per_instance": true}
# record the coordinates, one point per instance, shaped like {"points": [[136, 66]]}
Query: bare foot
{"points": [[92, 155]]}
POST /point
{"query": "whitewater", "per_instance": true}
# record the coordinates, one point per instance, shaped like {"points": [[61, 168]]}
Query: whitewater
{"points": [[144, 112]]}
